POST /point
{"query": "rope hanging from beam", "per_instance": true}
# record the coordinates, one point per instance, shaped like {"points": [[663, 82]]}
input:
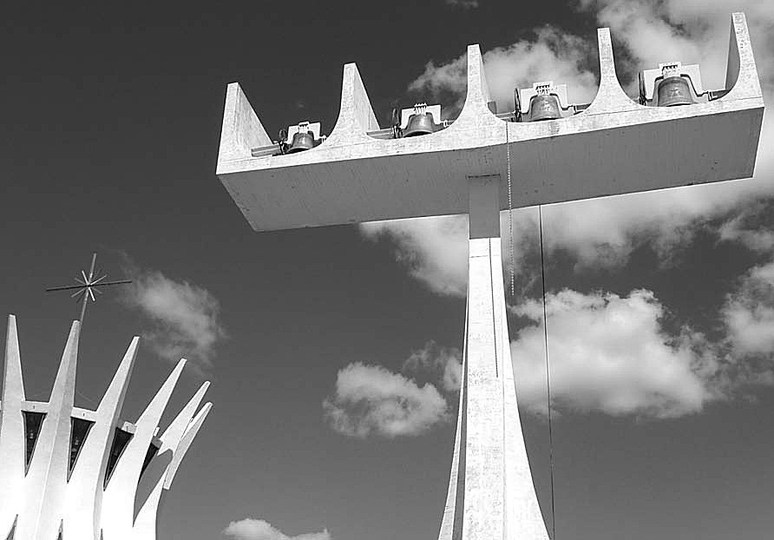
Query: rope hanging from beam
{"points": [[548, 372]]}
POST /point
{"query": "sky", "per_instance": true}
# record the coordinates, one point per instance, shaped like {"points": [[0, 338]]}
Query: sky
{"points": [[334, 352]]}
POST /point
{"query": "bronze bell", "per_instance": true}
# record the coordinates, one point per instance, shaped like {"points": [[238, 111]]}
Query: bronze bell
{"points": [[544, 107], [674, 91], [419, 124], [302, 140]]}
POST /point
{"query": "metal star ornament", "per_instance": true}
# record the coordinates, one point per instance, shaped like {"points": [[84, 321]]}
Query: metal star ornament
{"points": [[87, 285]]}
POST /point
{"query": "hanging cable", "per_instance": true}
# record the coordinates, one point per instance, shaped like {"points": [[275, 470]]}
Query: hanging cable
{"points": [[548, 372], [510, 210]]}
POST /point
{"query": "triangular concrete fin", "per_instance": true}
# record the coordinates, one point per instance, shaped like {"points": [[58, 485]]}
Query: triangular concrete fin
{"points": [[170, 440], [173, 433], [113, 400], [154, 410], [63, 392], [477, 94], [356, 114], [13, 382], [185, 443]]}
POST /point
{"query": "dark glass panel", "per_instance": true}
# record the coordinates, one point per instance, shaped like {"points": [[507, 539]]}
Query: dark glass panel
{"points": [[79, 430], [120, 440], [32, 424], [152, 451]]}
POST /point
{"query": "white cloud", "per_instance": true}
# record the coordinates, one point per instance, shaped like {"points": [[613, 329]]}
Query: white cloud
{"points": [[442, 363], [613, 354], [185, 317], [370, 400], [749, 228], [258, 529], [431, 249], [749, 314], [608, 354]]}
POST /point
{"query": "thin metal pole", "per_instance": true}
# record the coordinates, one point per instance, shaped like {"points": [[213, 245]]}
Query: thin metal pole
{"points": [[87, 292]]}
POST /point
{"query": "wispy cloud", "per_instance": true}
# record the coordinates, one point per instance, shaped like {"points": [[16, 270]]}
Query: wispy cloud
{"points": [[749, 314], [373, 401], [434, 250], [258, 529], [443, 364], [184, 318]]}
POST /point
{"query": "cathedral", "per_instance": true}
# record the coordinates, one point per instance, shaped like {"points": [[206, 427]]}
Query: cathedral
{"points": [[73, 473]]}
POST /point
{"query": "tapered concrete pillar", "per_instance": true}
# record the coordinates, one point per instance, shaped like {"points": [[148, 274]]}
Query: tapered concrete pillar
{"points": [[491, 494]]}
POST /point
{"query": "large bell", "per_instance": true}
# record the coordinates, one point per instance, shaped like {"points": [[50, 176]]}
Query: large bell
{"points": [[674, 91], [302, 140], [544, 107], [419, 124]]}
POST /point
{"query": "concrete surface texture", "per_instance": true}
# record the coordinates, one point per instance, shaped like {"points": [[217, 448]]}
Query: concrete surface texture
{"points": [[58, 487], [614, 146], [491, 493]]}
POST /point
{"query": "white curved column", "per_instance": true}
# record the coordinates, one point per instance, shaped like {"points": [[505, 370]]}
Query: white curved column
{"points": [[151, 484], [11, 432], [491, 494], [46, 481], [83, 507], [118, 503]]}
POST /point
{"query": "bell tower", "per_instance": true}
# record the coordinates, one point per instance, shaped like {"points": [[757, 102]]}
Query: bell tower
{"points": [[552, 151]]}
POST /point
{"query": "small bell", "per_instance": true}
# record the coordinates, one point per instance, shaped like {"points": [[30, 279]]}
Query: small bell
{"points": [[419, 124], [674, 91], [544, 107], [302, 140]]}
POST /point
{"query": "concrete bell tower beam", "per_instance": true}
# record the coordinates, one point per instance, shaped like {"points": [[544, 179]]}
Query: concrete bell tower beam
{"points": [[614, 146]]}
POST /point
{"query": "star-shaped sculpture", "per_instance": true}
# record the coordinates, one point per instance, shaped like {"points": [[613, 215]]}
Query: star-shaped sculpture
{"points": [[87, 285]]}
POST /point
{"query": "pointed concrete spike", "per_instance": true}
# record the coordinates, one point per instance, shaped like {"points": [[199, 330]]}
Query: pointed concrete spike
{"points": [[154, 410], [477, 94], [63, 392], [176, 429], [610, 96], [122, 488], [116, 392], [741, 74], [50, 461], [13, 382], [11, 431], [356, 114], [242, 129], [185, 443], [85, 486]]}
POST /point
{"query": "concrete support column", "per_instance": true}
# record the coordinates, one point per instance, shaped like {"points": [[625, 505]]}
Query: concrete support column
{"points": [[491, 495]]}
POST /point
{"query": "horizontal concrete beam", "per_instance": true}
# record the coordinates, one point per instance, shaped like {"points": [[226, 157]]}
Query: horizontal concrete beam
{"points": [[615, 146]]}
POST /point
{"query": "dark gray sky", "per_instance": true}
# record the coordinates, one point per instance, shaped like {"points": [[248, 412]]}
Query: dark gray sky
{"points": [[111, 119]]}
